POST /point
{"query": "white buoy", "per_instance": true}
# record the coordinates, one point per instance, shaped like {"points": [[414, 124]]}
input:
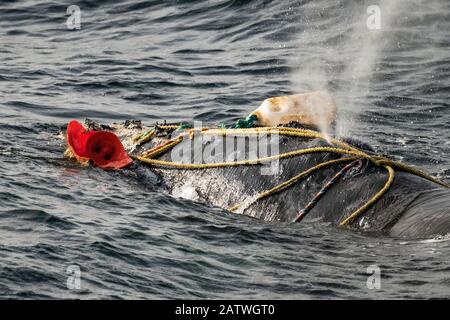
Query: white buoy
{"points": [[315, 109]]}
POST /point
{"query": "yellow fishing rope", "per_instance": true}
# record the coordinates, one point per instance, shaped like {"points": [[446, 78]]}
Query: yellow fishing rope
{"points": [[290, 154], [296, 178], [355, 214], [344, 149]]}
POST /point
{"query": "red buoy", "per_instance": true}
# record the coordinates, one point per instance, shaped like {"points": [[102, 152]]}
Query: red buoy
{"points": [[106, 151], [102, 147]]}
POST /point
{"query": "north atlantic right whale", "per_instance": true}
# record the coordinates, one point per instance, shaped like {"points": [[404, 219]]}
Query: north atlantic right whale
{"points": [[412, 206]]}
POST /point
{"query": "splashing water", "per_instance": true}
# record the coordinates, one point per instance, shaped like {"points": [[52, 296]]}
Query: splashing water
{"points": [[246, 203]]}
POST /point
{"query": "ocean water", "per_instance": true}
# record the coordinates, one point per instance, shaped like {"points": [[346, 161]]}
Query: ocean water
{"points": [[213, 61]]}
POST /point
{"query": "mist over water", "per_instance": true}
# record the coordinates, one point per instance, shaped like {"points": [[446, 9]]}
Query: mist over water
{"points": [[349, 54]]}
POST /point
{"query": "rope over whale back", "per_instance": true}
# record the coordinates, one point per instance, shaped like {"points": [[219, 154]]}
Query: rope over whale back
{"points": [[338, 147]]}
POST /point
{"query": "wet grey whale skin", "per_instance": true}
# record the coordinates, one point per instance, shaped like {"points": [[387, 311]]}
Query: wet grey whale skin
{"points": [[412, 208]]}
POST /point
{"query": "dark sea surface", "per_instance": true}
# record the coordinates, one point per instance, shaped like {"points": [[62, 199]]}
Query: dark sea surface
{"points": [[213, 61]]}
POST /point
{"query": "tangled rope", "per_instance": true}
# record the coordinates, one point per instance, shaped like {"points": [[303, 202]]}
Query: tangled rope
{"points": [[339, 147], [302, 214]]}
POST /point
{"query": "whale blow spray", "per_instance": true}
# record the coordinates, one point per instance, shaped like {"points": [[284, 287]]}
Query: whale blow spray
{"points": [[339, 52]]}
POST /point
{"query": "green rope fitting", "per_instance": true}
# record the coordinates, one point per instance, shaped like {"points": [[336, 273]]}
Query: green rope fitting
{"points": [[245, 123], [183, 125]]}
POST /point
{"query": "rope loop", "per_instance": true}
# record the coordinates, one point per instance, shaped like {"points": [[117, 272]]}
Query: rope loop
{"points": [[245, 128]]}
